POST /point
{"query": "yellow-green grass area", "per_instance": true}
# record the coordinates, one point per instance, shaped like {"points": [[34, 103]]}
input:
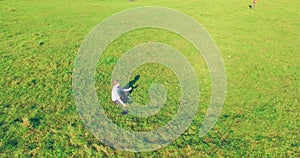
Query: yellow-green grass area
{"points": [[39, 41]]}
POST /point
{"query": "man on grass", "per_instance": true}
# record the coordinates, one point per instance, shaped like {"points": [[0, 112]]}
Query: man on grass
{"points": [[120, 95]]}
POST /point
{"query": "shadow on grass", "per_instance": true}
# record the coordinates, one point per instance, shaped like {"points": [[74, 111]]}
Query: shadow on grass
{"points": [[125, 97]]}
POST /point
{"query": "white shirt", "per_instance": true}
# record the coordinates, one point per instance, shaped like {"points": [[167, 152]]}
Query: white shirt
{"points": [[116, 93]]}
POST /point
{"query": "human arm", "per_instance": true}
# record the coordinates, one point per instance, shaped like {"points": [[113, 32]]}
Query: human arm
{"points": [[127, 90]]}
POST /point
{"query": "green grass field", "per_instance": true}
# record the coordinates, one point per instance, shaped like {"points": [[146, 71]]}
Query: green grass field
{"points": [[39, 41]]}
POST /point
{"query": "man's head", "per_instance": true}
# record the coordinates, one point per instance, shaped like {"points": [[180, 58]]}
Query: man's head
{"points": [[115, 82]]}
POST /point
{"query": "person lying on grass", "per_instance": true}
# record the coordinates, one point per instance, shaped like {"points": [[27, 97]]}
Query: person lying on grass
{"points": [[119, 95]]}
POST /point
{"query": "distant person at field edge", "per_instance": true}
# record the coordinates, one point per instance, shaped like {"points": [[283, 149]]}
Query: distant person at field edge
{"points": [[253, 4], [117, 93]]}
